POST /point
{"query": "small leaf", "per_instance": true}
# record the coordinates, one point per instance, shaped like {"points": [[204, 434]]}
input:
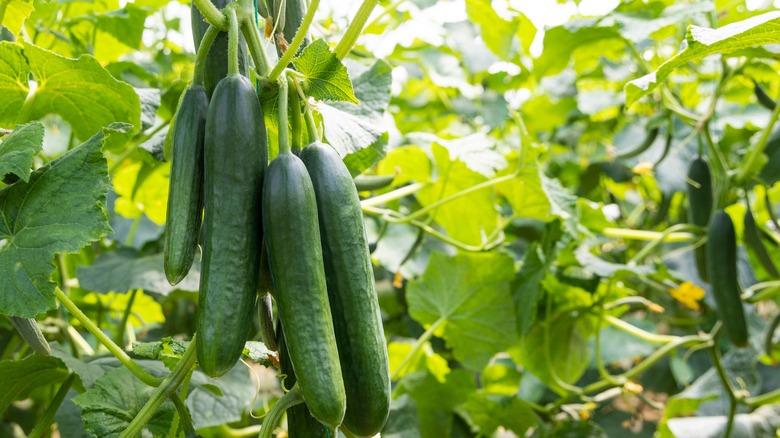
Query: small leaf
{"points": [[467, 295], [17, 11], [436, 401], [326, 76], [257, 352], [701, 42], [19, 148], [13, 81], [115, 399], [497, 33], [35, 227], [209, 409], [21, 376]]}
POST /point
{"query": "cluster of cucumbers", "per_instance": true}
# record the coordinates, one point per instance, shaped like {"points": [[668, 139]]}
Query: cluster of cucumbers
{"points": [[298, 219]]}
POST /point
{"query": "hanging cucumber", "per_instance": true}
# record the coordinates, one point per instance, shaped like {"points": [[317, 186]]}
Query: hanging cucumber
{"points": [[648, 141], [353, 301], [753, 241], [235, 159], [293, 244], [722, 267], [763, 98], [217, 59], [700, 200], [185, 193], [29, 331], [368, 183]]}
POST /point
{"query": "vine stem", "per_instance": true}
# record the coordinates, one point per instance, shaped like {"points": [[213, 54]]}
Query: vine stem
{"points": [[355, 28], [284, 138], [255, 44], [754, 154], [212, 15], [43, 428], [203, 51], [287, 401], [165, 390], [392, 196], [295, 109], [650, 247], [717, 362], [767, 289], [292, 49], [638, 332], [120, 330], [418, 344], [118, 352], [625, 233], [233, 69]]}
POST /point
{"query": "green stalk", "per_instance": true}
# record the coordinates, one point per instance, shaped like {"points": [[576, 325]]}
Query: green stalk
{"points": [[392, 196], [43, 427], [624, 233], [284, 137], [638, 332], [418, 344], [650, 247], [754, 154], [232, 41], [203, 52], [717, 362], [295, 109], [287, 401], [165, 390], [311, 125], [292, 49], [120, 330], [355, 28], [255, 44], [212, 15], [118, 352]]}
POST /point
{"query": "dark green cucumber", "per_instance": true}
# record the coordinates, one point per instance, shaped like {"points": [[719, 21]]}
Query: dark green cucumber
{"points": [[216, 66], [185, 190], [353, 301], [763, 98], [722, 267], [652, 134], [753, 241], [300, 422], [266, 316], [292, 239], [29, 331], [700, 201], [235, 157], [367, 183], [294, 12]]}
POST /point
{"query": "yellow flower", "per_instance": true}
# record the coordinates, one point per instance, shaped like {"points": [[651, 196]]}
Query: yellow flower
{"points": [[688, 294], [643, 168]]}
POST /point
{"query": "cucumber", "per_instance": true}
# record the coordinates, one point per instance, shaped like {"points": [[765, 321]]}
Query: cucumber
{"points": [[216, 66], [300, 423], [235, 158], [648, 141], [293, 244], [29, 331], [753, 241], [763, 98], [353, 300], [367, 183], [722, 267], [294, 12], [185, 192], [700, 201], [266, 316]]}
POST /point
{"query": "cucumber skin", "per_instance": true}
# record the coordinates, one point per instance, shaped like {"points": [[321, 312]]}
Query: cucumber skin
{"points": [[722, 267], [295, 257], [185, 190], [216, 66], [29, 331], [700, 201], [235, 157], [350, 277], [368, 183], [300, 423]]}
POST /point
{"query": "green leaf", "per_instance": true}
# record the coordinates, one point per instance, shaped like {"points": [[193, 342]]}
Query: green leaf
{"points": [[126, 24], [488, 412], [13, 81], [326, 76], [125, 269], [561, 41], [604, 268], [59, 210], [19, 377], [209, 409], [79, 90], [257, 352], [402, 421], [467, 294], [436, 401], [115, 399], [702, 42], [349, 127], [19, 148], [17, 11], [527, 285], [497, 33]]}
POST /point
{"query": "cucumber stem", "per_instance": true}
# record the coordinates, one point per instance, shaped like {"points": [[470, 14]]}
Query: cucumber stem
{"points": [[255, 44], [212, 15], [120, 330], [117, 351], [203, 52], [284, 138], [292, 49], [287, 401], [232, 41], [43, 428], [355, 28]]}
